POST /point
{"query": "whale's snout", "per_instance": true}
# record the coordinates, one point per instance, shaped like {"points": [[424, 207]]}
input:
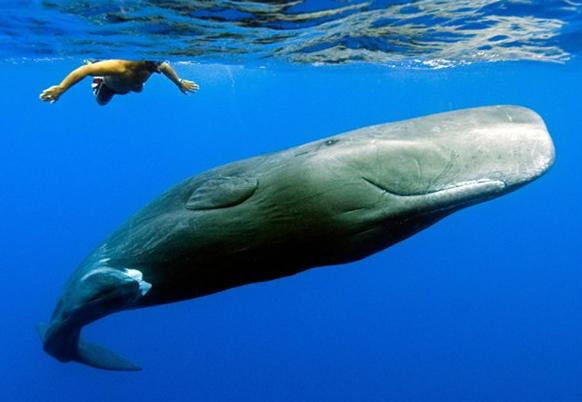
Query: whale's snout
{"points": [[463, 158], [493, 149], [504, 143]]}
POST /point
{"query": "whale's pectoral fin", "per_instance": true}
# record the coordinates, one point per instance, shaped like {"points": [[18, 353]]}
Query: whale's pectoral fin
{"points": [[93, 355], [222, 192], [97, 356]]}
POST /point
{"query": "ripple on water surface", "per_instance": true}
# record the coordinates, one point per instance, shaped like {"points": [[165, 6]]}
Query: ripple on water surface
{"points": [[430, 33]]}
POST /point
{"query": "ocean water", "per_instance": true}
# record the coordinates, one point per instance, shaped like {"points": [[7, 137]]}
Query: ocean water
{"points": [[486, 305]]}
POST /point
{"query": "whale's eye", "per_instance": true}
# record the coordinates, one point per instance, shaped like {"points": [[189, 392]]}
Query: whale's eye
{"points": [[331, 142]]}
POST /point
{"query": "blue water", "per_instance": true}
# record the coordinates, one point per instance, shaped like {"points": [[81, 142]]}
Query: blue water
{"points": [[484, 306]]}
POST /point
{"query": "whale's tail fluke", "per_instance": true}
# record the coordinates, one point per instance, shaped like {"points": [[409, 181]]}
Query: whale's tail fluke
{"points": [[74, 348], [97, 356]]}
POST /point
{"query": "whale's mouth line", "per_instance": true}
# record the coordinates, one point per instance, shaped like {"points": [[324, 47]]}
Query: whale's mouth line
{"points": [[471, 186]]}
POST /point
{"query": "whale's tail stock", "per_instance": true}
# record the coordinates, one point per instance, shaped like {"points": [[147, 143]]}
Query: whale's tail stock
{"points": [[95, 294], [67, 347]]}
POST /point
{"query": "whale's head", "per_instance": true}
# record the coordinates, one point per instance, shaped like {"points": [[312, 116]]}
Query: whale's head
{"points": [[391, 180]]}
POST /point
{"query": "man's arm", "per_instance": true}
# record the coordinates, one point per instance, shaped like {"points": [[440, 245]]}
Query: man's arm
{"points": [[183, 85], [106, 67]]}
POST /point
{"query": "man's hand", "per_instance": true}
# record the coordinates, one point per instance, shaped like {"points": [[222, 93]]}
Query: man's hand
{"points": [[188, 86], [51, 94]]}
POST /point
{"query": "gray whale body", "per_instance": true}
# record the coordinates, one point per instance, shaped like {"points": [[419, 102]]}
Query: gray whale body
{"points": [[328, 202]]}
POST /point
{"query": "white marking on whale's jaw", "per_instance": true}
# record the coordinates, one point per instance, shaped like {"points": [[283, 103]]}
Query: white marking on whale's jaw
{"points": [[102, 270], [122, 275], [137, 275]]}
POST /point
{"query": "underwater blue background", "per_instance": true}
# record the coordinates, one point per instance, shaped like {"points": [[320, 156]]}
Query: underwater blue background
{"points": [[486, 305]]}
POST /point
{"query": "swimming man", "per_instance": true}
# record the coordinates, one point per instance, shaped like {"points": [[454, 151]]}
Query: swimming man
{"points": [[116, 77]]}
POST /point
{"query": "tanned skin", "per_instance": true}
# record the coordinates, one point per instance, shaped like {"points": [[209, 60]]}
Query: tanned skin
{"points": [[129, 76]]}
